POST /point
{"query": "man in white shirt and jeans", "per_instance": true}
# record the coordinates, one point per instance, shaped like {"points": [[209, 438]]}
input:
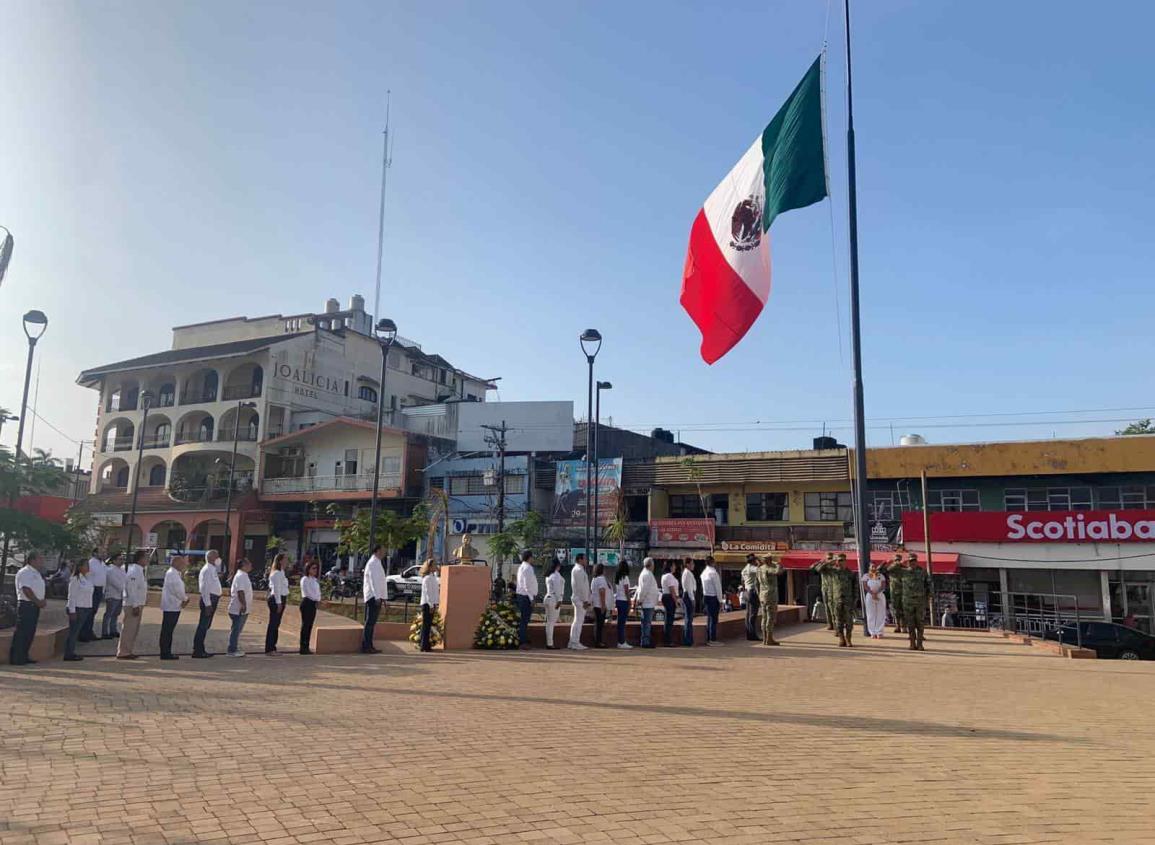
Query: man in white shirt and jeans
{"points": [[29, 602], [526, 595], [374, 592], [209, 584], [98, 579], [580, 597], [113, 597], [173, 599], [712, 595], [689, 592]]}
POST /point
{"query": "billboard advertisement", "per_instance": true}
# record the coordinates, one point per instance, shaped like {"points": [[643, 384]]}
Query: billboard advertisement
{"points": [[569, 502], [682, 533]]}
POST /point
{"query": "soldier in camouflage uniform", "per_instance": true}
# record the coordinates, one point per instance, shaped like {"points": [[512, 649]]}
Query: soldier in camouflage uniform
{"points": [[916, 586], [768, 570], [826, 576], [893, 572], [843, 591]]}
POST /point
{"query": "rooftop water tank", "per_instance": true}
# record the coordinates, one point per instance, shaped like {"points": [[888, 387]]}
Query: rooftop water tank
{"points": [[912, 440]]}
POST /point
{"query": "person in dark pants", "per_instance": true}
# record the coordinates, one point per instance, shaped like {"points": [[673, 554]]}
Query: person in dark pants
{"points": [[750, 582], [689, 593], [670, 588], [97, 578], [374, 592], [278, 596], [310, 598], [209, 583], [600, 588], [430, 598], [525, 594], [173, 599], [29, 602], [79, 608]]}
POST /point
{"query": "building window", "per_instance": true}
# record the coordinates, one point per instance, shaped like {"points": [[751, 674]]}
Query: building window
{"points": [[468, 485], [437, 482], [367, 393], [685, 506], [767, 507], [829, 507], [953, 501], [350, 462], [514, 484], [888, 504], [166, 397], [156, 476]]}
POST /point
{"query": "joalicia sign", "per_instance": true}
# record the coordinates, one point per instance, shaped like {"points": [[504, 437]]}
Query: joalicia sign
{"points": [[1124, 526]]}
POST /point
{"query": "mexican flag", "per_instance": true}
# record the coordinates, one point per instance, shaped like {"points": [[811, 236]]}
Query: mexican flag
{"points": [[727, 276]]}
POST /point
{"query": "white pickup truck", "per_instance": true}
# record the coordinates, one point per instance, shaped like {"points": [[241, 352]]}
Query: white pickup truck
{"points": [[407, 583]]}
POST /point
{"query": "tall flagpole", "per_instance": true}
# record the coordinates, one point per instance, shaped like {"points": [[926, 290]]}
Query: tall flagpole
{"points": [[386, 163], [861, 533]]}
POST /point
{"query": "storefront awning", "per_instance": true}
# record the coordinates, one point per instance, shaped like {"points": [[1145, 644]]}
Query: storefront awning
{"points": [[944, 563]]}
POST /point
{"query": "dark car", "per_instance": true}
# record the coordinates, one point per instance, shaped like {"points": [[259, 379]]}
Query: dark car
{"points": [[1108, 640]]}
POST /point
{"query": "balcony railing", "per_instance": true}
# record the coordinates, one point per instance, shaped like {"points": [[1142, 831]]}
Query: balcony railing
{"points": [[330, 483], [156, 441], [198, 436], [245, 434], [121, 444], [198, 397], [242, 391]]}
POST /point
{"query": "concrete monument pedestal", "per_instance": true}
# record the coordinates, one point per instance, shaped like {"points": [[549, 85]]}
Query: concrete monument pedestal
{"points": [[464, 596]]}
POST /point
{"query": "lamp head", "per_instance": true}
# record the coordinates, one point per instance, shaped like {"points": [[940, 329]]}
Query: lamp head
{"points": [[146, 399], [591, 341], [386, 330], [35, 324], [605, 385]]}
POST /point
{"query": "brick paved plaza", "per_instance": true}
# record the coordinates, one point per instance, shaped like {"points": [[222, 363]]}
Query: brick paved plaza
{"points": [[977, 740]]}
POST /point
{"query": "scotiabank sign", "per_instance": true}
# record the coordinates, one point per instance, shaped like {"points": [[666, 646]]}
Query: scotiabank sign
{"points": [[1034, 527]]}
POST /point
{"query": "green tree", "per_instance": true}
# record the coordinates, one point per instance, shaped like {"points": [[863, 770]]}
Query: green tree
{"points": [[694, 473], [1143, 426], [394, 531], [618, 530]]}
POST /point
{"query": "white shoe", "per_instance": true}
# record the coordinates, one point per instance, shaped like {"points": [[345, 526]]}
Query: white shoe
{"points": [[624, 645], [579, 647], [235, 654]]}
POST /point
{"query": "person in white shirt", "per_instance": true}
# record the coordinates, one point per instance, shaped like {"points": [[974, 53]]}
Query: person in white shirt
{"points": [[113, 597], [209, 584], [600, 589], [30, 601], [310, 599], [646, 600], [579, 594], [750, 589], [689, 593], [430, 598], [240, 603], [374, 592], [712, 595], [525, 596], [670, 587], [135, 598], [622, 601], [79, 608], [97, 579], [173, 599], [554, 590], [278, 595]]}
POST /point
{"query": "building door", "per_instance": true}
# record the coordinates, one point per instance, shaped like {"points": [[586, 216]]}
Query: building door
{"points": [[1131, 600]]}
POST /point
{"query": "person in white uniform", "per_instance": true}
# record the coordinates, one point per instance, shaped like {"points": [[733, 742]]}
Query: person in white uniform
{"points": [[135, 598], [525, 596], [240, 605], [96, 578], [712, 595], [579, 594], [647, 600], [310, 600], [209, 584], [374, 592], [113, 597], [277, 596], [689, 593], [873, 586], [30, 589], [79, 607], [554, 591], [173, 599], [430, 598]]}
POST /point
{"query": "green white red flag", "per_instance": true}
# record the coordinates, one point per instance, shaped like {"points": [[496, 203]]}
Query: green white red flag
{"points": [[726, 281]]}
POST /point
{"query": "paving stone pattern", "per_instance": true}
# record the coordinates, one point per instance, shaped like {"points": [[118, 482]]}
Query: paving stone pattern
{"points": [[975, 741]]}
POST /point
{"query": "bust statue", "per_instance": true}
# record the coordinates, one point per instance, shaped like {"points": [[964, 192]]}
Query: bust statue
{"points": [[465, 553]]}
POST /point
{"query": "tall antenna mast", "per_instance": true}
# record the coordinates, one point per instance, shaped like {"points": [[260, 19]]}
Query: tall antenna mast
{"points": [[386, 163]]}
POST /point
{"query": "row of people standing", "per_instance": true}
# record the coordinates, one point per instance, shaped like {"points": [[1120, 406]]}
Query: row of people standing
{"points": [[95, 583]]}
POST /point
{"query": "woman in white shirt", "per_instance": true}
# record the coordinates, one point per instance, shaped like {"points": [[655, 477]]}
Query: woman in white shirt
{"points": [[310, 598], [430, 597], [79, 607], [600, 587], [554, 591], [622, 601], [240, 603], [278, 593]]}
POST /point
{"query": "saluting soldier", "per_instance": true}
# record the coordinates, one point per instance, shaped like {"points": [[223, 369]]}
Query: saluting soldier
{"points": [[894, 576], [843, 591], [768, 570], [826, 575], [916, 586]]}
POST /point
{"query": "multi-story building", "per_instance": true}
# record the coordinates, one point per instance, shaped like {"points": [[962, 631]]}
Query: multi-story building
{"points": [[224, 388]]}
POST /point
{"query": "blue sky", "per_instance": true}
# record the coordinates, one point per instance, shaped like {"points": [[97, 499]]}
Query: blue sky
{"points": [[165, 163]]}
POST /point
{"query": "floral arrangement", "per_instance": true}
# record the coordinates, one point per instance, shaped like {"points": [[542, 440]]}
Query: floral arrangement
{"points": [[498, 628], [435, 631]]}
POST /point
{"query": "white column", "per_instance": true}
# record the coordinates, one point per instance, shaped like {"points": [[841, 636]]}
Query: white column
{"points": [[1105, 586], [1008, 624]]}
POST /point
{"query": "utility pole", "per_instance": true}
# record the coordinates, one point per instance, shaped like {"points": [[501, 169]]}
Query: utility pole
{"points": [[496, 439]]}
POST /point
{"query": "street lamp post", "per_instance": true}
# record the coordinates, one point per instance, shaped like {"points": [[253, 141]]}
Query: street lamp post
{"points": [[386, 332], [591, 343], [232, 468], [602, 385], [35, 324], [146, 403]]}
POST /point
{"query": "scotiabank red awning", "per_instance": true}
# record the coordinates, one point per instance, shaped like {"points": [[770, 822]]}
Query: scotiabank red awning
{"points": [[944, 563]]}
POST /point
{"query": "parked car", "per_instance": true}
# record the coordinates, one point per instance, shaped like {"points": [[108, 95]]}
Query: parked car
{"points": [[1108, 640], [408, 583]]}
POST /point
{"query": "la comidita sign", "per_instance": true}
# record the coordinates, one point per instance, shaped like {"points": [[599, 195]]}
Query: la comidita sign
{"points": [[1123, 526]]}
